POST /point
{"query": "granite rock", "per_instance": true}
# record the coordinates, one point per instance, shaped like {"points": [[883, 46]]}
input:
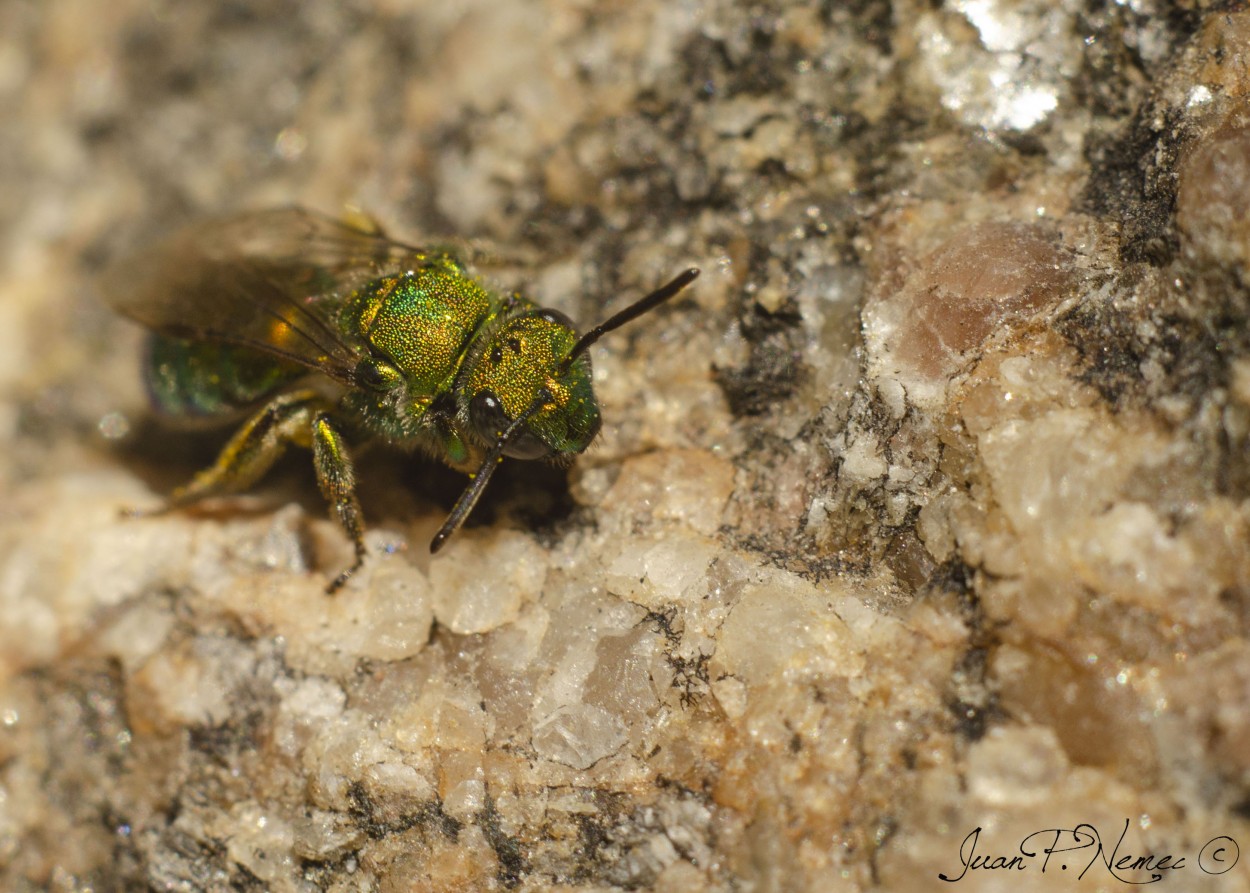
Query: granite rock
{"points": [[925, 511]]}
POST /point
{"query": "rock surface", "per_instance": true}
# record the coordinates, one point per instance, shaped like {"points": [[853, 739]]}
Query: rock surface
{"points": [[927, 510]]}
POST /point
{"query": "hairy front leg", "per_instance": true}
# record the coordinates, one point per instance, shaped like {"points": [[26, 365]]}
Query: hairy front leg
{"points": [[337, 480]]}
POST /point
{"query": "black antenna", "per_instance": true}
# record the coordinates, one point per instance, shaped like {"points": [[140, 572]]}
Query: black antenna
{"points": [[472, 493], [633, 311]]}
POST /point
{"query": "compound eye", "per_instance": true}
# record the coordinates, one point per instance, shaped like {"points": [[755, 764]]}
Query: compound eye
{"points": [[375, 376], [487, 415], [555, 316], [490, 420]]}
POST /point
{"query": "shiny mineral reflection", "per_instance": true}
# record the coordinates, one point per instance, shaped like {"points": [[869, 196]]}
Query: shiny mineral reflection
{"points": [[1010, 70]]}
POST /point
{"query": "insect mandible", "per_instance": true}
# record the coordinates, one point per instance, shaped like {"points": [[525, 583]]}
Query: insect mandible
{"points": [[313, 330]]}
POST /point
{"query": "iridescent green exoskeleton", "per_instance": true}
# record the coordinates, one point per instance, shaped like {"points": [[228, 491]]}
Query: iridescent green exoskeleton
{"points": [[326, 330]]}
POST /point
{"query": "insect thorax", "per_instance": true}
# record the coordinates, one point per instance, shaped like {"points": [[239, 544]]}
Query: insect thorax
{"points": [[422, 322]]}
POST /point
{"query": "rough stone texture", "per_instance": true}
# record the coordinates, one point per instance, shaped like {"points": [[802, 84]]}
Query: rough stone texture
{"points": [[927, 510]]}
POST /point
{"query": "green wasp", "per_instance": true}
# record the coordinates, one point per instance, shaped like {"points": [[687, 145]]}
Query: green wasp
{"points": [[326, 330]]}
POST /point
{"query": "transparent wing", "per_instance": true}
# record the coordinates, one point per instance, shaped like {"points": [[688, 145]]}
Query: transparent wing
{"points": [[272, 280]]}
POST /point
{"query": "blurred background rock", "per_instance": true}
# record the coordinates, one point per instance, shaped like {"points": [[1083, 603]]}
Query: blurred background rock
{"points": [[926, 510]]}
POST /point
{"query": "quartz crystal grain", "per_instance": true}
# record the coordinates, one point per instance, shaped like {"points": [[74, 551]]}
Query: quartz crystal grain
{"points": [[925, 510]]}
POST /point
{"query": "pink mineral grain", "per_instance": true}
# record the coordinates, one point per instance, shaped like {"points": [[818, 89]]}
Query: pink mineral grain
{"points": [[987, 279]]}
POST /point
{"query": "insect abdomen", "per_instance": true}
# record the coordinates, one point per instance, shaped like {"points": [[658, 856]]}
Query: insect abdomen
{"points": [[205, 380]]}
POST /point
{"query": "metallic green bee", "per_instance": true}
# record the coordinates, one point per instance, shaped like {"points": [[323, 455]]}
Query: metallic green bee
{"points": [[326, 329]]}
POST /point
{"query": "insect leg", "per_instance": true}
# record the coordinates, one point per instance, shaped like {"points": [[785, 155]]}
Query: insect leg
{"points": [[337, 480], [298, 417], [254, 448]]}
